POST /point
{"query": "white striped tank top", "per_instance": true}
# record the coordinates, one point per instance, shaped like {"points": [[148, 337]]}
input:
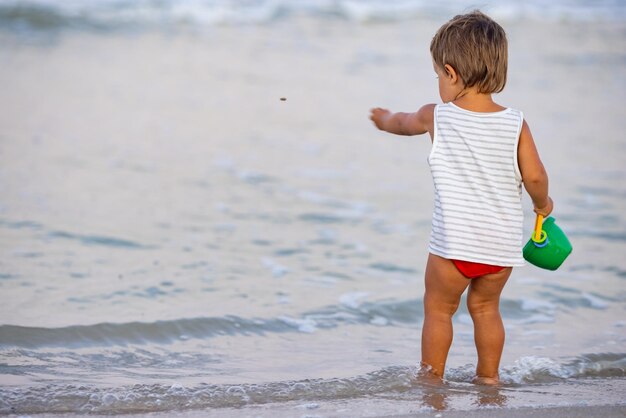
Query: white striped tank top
{"points": [[478, 186]]}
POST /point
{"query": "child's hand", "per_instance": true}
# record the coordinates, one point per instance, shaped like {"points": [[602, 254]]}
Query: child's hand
{"points": [[546, 210], [378, 116]]}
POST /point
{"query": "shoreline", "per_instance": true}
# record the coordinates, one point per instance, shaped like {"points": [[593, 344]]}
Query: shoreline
{"points": [[605, 411]]}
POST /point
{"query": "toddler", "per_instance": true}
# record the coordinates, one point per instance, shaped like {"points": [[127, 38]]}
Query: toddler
{"points": [[481, 155]]}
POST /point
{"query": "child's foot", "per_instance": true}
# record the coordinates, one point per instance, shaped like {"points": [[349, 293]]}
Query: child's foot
{"points": [[482, 380], [426, 373], [433, 387]]}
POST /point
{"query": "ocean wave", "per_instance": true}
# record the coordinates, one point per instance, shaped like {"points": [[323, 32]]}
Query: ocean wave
{"points": [[535, 369], [401, 381], [158, 397], [97, 240], [543, 369], [352, 309], [163, 332], [85, 239], [110, 334], [113, 14]]}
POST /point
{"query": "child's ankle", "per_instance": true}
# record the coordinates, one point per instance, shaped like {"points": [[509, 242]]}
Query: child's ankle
{"points": [[484, 380], [426, 374]]}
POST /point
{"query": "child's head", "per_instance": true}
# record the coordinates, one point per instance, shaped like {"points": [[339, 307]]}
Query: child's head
{"points": [[476, 47]]}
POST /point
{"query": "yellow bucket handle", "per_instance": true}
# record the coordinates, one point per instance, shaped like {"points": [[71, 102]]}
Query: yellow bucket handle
{"points": [[538, 235]]}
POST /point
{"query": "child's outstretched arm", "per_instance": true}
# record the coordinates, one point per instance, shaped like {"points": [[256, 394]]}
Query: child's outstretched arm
{"points": [[401, 123], [534, 175]]}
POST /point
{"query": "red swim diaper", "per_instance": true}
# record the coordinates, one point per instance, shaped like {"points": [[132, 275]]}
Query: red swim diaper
{"points": [[474, 270]]}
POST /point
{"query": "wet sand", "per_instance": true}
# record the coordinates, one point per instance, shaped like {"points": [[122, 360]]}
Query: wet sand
{"points": [[545, 412]]}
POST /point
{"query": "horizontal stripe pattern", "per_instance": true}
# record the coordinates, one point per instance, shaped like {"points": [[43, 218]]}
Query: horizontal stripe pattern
{"points": [[478, 212]]}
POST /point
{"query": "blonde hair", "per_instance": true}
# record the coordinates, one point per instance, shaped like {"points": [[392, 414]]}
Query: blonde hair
{"points": [[476, 47]]}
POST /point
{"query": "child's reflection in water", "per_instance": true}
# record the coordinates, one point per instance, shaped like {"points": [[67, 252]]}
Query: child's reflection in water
{"points": [[436, 393]]}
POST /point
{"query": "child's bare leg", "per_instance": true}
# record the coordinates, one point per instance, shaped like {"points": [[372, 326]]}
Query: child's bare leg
{"points": [[444, 287], [483, 303]]}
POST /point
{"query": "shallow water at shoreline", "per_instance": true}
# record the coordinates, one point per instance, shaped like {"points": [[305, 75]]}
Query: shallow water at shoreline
{"points": [[174, 237]]}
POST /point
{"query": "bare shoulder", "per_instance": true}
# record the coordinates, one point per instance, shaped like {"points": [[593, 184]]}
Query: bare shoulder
{"points": [[427, 112], [525, 134], [426, 116]]}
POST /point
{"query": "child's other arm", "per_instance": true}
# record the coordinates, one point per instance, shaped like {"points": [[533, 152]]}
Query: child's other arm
{"points": [[534, 175], [401, 123]]}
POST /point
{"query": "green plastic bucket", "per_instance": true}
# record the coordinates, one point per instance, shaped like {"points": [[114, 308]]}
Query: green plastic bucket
{"points": [[550, 249]]}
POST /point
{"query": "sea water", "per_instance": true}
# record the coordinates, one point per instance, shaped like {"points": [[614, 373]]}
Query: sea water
{"points": [[108, 14], [168, 246]]}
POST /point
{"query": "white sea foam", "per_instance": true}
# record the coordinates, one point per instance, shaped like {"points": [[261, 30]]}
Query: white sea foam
{"points": [[353, 299], [538, 319], [532, 368], [278, 270], [306, 325], [464, 319], [537, 332], [529, 304], [379, 320], [309, 406], [324, 280], [595, 301], [393, 382]]}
